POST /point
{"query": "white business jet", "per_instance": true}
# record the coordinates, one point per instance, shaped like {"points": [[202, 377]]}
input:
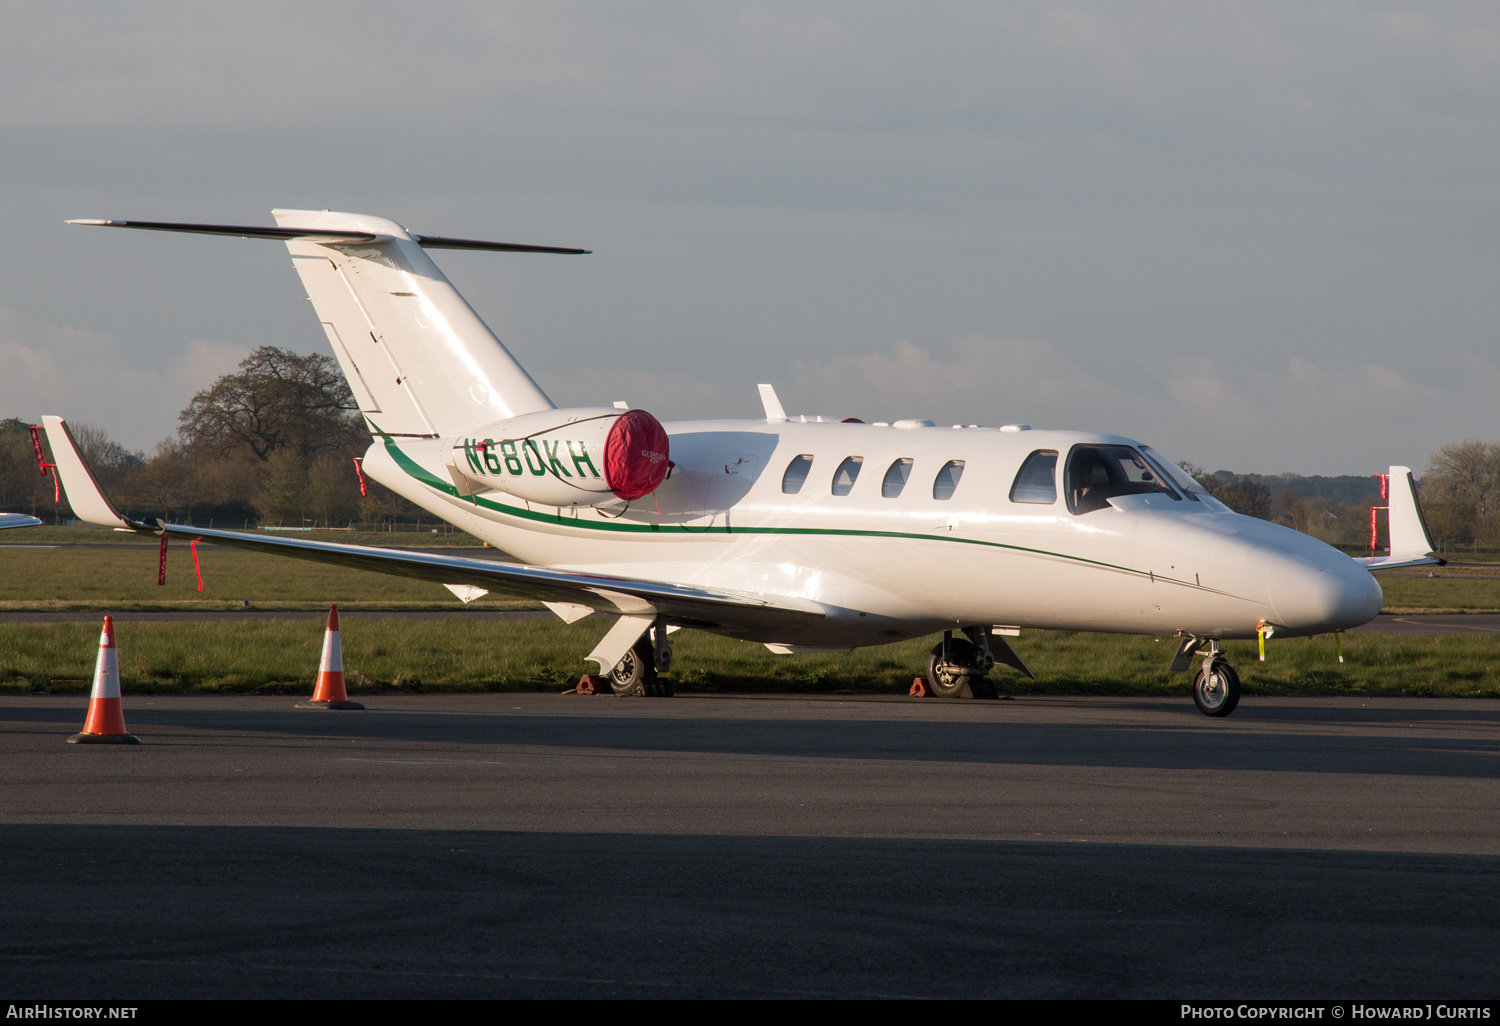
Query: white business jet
{"points": [[804, 533]]}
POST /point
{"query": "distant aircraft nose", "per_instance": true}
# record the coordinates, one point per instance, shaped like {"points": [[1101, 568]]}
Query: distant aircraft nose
{"points": [[1322, 595]]}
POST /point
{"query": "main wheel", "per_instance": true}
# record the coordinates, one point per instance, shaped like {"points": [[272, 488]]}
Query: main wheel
{"points": [[1216, 691], [946, 679], [636, 673]]}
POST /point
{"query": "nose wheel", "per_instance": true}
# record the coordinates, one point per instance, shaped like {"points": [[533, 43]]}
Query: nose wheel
{"points": [[1216, 689]]}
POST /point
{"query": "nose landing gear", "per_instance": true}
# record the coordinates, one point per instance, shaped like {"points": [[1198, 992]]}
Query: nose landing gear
{"points": [[1216, 688]]}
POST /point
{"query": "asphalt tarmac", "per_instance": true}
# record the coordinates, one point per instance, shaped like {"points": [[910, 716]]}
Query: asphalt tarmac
{"points": [[546, 846]]}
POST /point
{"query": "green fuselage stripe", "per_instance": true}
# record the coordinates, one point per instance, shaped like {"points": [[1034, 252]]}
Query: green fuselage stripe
{"points": [[419, 473]]}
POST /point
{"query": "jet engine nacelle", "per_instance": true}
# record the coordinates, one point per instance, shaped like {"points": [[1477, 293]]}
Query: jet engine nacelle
{"points": [[577, 457]]}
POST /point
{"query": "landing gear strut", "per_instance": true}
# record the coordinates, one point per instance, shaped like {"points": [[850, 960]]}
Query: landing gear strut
{"points": [[1216, 689], [636, 674], [955, 663]]}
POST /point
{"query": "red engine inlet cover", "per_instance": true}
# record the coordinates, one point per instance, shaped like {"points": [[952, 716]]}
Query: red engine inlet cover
{"points": [[635, 455]]}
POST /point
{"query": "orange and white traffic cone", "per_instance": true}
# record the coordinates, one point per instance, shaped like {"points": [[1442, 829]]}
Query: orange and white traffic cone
{"points": [[106, 721], [330, 693]]}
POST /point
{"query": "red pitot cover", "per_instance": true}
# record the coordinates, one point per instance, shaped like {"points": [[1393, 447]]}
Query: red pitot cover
{"points": [[635, 455]]}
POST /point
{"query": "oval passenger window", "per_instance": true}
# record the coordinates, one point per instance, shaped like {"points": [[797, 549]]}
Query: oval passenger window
{"points": [[847, 474], [895, 478], [947, 479], [796, 474]]}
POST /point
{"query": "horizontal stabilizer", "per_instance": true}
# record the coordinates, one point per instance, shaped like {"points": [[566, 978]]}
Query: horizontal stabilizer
{"points": [[325, 236], [242, 231], [439, 242]]}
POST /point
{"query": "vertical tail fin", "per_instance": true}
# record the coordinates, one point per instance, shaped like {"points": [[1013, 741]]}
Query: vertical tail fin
{"points": [[418, 358]]}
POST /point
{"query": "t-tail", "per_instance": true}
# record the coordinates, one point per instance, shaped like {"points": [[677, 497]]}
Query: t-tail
{"points": [[418, 359], [422, 365]]}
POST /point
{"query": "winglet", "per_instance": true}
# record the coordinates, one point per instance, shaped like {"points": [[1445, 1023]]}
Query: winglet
{"points": [[772, 404], [1409, 535], [84, 495], [1411, 543]]}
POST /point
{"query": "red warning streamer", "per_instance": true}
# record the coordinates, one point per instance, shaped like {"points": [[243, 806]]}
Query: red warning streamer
{"points": [[42, 466], [161, 570], [361, 472], [1385, 495], [36, 446], [192, 545]]}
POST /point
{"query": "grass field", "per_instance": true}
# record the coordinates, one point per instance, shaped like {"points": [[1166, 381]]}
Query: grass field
{"points": [[462, 654], [123, 577], [404, 536], [92, 569], [1450, 590]]}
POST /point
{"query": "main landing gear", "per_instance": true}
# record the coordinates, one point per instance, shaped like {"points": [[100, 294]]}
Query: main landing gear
{"points": [[1216, 688], [956, 665], [636, 674]]}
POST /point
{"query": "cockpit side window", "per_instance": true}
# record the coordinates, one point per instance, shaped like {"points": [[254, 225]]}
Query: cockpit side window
{"points": [[1098, 473], [796, 474], [1037, 479]]}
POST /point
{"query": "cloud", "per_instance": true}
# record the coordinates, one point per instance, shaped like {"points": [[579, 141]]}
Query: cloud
{"points": [[85, 375], [1297, 415]]}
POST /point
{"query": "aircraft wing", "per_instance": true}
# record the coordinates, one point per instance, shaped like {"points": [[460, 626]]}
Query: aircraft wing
{"points": [[1411, 545], [683, 605], [728, 612], [17, 520]]}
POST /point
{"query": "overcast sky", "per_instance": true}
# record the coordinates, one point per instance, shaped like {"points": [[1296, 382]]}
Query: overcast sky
{"points": [[1259, 236]]}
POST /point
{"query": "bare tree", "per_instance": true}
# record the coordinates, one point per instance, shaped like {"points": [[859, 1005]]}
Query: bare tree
{"points": [[1461, 491], [278, 400]]}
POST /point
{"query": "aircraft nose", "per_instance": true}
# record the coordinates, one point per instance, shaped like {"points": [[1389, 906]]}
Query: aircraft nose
{"points": [[1322, 597]]}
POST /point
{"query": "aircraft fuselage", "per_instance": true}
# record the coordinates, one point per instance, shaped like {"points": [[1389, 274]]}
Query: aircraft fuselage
{"points": [[931, 551]]}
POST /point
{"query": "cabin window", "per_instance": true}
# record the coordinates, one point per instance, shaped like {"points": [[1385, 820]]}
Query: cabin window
{"points": [[947, 479], [796, 474], [895, 478], [1098, 473], [847, 474], [1037, 480]]}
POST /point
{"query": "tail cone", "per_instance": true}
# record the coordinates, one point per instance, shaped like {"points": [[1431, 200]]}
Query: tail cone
{"points": [[106, 721], [329, 692]]}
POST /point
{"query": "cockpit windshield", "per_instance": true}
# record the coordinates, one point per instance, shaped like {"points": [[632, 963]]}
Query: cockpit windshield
{"points": [[1179, 477], [1098, 473]]}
